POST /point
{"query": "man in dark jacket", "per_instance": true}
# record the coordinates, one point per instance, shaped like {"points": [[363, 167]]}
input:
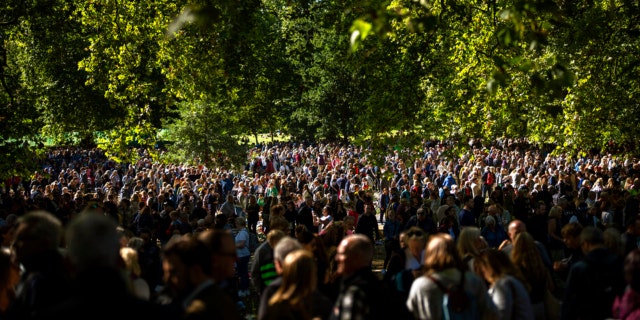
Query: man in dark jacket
{"points": [[368, 225], [305, 214], [362, 294], [594, 282], [422, 219]]}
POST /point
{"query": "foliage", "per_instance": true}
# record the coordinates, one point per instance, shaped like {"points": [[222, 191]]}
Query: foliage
{"points": [[386, 74]]}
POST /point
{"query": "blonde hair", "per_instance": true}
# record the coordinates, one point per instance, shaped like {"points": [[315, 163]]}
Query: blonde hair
{"points": [[131, 262], [526, 258], [441, 254], [555, 212], [274, 236], [299, 279], [466, 239]]}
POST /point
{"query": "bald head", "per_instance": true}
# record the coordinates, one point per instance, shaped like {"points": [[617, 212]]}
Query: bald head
{"points": [[354, 253], [515, 228]]}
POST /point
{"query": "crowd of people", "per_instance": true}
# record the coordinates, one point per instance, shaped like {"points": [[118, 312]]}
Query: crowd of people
{"points": [[528, 234]]}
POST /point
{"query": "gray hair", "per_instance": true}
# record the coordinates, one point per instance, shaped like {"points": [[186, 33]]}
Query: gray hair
{"points": [[43, 225], [93, 242], [285, 246]]}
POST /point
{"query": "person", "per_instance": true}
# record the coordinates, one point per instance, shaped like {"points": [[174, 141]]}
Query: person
{"points": [[594, 282], [466, 216], [538, 278], [244, 255], [45, 280], [362, 294], [139, 286], [320, 304], [149, 257], [368, 225], [253, 213], [442, 263], [293, 299], [9, 279], [229, 207], [99, 287], [263, 267], [515, 227], [423, 219], [305, 214], [630, 236], [223, 253], [186, 263], [627, 305], [507, 289], [391, 232], [470, 243], [325, 220], [554, 230], [406, 266], [573, 251], [383, 203], [314, 244], [492, 233], [349, 224]]}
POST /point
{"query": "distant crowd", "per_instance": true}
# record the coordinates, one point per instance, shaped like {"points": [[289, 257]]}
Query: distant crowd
{"points": [[291, 235]]}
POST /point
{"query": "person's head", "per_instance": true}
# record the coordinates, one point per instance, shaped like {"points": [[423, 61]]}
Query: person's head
{"points": [[93, 242], [441, 254], [280, 223], [240, 222], [555, 212], [186, 263], [299, 278], [494, 264], [349, 222], [490, 221], [390, 215], [590, 238], [222, 252], [131, 262], [613, 240], [326, 210], [515, 227], [493, 210], [470, 242], [354, 253], [36, 232], [274, 236], [571, 235], [415, 239], [285, 246]]}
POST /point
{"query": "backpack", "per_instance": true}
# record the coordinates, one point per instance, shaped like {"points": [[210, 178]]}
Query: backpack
{"points": [[490, 178], [456, 302]]}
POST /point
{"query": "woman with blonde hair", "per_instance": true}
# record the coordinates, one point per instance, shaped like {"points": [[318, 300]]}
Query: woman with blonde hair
{"points": [[526, 257], [554, 231], [443, 267], [139, 286], [470, 243], [293, 299]]}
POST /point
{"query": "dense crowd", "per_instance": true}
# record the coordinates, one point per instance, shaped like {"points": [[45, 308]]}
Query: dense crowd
{"points": [[292, 235]]}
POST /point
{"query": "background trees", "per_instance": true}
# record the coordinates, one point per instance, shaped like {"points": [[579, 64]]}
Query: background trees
{"points": [[117, 72]]}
